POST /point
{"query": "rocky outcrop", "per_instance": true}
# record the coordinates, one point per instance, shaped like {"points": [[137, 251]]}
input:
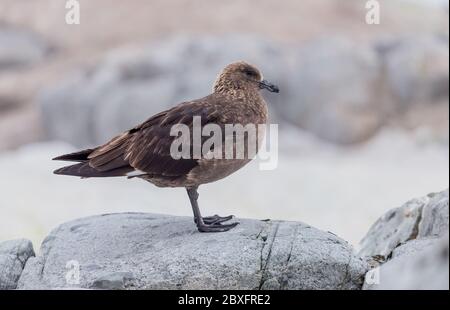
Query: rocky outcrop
{"points": [[146, 251], [416, 265], [409, 246], [424, 217], [13, 256]]}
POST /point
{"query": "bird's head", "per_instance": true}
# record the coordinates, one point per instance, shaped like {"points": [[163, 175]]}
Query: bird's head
{"points": [[242, 76]]}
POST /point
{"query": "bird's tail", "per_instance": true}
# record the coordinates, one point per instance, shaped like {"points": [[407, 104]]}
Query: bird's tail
{"points": [[84, 170], [80, 156]]}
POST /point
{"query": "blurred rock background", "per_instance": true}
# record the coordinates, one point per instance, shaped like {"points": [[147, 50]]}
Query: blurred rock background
{"points": [[363, 109]]}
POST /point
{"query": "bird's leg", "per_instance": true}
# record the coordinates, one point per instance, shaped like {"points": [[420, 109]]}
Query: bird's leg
{"points": [[207, 224]]}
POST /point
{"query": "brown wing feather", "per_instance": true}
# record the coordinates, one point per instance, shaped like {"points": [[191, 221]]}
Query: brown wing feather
{"points": [[149, 149], [147, 146], [80, 156]]}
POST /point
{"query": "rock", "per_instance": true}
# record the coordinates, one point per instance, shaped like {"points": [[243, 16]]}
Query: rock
{"points": [[418, 218], [334, 90], [412, 247], [417, 69], [146, 251], [417, 265], [411, 244], [132, 84], [13, 256], [113, 281], [435, 216], [393, 228], [19, 48]]}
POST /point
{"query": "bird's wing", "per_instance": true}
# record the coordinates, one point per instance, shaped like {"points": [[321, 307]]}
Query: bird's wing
{"points": [[147, 147]]}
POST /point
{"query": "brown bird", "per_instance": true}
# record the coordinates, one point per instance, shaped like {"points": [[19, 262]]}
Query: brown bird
{"points": [[145, 150]]}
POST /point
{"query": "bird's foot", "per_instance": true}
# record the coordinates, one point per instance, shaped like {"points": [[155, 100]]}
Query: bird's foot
{"points": [[215, 219], [217, 227], [214, 223]]}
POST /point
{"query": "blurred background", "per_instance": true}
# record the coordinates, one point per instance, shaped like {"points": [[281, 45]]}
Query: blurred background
{"points": [[363, 110]]}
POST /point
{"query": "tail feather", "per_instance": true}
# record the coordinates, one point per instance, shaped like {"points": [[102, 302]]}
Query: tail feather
{"points": [[80, 156], [86, 171]]}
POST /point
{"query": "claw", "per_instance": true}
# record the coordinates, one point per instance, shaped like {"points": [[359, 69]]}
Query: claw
{"points": [[216, 227], [215, 219]]}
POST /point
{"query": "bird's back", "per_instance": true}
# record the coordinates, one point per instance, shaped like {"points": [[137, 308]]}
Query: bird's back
{"points": [[145, 150]]}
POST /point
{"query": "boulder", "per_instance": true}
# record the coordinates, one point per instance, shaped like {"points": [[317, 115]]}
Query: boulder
{"points": [[417, 265], [334, 90], [147, 251], [13, 256], [434, 220], [418, 218], [409, 246]]}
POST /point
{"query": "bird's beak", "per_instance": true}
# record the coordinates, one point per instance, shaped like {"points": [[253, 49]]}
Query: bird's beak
{"points": [[269, 86]]}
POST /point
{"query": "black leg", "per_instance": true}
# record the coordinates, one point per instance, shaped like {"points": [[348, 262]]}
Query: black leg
{"points": [[207, 224]]}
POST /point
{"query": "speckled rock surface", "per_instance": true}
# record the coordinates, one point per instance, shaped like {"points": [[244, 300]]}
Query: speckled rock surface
{"points": [[13, 256], [424, 217], [147, 251], [420, 264], [411, 243]]}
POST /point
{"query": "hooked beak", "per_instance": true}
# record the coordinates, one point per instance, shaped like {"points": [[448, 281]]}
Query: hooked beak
{"points": [[269, 86]]}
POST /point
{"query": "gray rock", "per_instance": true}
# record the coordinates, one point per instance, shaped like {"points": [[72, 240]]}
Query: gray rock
{"points": [[334, 91], [412, 242], [420, 217], [146, 251], [132, 84], [412, 247], [418, 264], [19, 48], [435, 216], [113, 281], [393, 228], [13, 256]]}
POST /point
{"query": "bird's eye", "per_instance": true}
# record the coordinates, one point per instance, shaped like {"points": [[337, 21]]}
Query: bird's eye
{"points": [[250, 73]]}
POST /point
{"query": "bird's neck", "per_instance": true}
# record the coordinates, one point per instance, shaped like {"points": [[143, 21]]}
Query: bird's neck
{"points": [[234, 91], [248, 102]]}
